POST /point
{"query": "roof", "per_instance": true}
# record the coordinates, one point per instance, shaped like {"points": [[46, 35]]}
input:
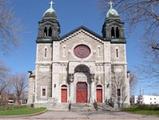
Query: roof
{"points": [[84, 28]]}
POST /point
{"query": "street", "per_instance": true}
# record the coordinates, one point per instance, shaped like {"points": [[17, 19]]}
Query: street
{"points": [[51, 115]]}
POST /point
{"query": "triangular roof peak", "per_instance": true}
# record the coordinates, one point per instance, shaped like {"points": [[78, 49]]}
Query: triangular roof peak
{"points": [[85, 29]]}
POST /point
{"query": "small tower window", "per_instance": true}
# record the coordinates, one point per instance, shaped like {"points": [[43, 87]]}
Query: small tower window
{"points": [[99, 51], [118, 93], [112, 32], [43, 92], [50, 32], [117, 33], [64, 51], [117, 53], [45, 52], [45, 32]]}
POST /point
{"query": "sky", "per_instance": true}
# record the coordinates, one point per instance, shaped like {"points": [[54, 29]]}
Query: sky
{"points": [[71, 14]]}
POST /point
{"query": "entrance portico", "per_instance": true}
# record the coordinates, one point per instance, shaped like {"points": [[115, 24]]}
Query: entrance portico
{"points": [[81, 85]]}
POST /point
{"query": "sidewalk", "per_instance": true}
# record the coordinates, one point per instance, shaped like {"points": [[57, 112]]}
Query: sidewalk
{"points": [[50, 115]]}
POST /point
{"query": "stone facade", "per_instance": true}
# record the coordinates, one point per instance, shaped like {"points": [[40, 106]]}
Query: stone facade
{"points": [[80, 67]]}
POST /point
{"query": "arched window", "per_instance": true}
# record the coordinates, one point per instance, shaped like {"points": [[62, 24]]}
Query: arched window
{"points": [[82, 68], [112, 33], [64, 86], [117, 33], [50, 32], [45, 31], [99, 86]]}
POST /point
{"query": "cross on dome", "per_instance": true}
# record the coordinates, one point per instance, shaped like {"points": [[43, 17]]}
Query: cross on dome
{"points": [[111, 11], [111, 4], [51, 9], [51, 4]]}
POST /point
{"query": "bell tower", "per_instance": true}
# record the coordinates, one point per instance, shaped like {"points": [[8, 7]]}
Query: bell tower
{"points": [[113, 27], [49, 31], [49, 27], [113, 34]]}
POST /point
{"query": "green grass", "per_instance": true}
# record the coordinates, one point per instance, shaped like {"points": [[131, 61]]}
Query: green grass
{"points": [[19, 110], [144, 110]]}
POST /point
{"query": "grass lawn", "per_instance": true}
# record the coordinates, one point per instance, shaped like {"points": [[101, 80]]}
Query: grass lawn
{"points": [[144, 110], [19, 110]]}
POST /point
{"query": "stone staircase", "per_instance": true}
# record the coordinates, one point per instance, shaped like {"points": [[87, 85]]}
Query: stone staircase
{"points": [[82, 107], [86, 107], [58, 107], [53, 105], [104, 107]]}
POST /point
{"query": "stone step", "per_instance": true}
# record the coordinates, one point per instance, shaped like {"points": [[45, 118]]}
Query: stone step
{"points": [[82, 107], [58, 107], [104, 107]]}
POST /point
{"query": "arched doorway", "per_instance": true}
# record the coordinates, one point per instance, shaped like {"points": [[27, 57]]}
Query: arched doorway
{"points": [[63, 94], [81, 92], [99, 96]]}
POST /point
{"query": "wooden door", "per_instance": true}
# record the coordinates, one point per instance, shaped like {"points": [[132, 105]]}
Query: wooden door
{"points": [[99, 96], [81, 92], [64, 94]]}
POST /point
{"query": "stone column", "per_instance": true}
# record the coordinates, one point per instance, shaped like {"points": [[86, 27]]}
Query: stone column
{"points": [[31, 97], [71, 93], [107, 78], [71, 89], [92, 94]]}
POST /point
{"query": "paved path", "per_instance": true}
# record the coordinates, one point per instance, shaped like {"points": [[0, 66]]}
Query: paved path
{"points": [[50, 115]]}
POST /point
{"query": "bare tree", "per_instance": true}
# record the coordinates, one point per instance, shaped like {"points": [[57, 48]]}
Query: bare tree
{"points": [[9, 27], [155, 46], [4, 82], [136, 12], [118, 89], [143, 13], [19, 82], [132, 82]]}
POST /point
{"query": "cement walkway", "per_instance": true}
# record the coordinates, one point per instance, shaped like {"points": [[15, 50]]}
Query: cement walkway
{"points": [[50, 115]]}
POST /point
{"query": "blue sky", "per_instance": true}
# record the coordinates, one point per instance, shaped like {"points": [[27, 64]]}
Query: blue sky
{"points": [[71, 14]]}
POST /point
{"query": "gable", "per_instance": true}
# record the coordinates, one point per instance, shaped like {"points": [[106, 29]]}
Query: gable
{"points": [[82, 30], [84, 38]]}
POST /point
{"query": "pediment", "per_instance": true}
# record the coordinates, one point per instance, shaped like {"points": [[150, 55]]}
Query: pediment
{"points": [[83, 32]]}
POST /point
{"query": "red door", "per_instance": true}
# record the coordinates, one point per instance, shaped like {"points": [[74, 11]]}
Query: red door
{"points": [[99, 94], [81, 92], [64, 94]]}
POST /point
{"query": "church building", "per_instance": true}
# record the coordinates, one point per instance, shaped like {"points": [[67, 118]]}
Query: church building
{"points": [[81, 67]]}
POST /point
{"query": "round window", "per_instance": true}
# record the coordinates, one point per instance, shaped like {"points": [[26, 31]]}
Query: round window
{"points": [[82, 51]]}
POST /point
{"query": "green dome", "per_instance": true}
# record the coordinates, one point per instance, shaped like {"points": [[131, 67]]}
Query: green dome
{"points": [[112, 12], [50, 13]]}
